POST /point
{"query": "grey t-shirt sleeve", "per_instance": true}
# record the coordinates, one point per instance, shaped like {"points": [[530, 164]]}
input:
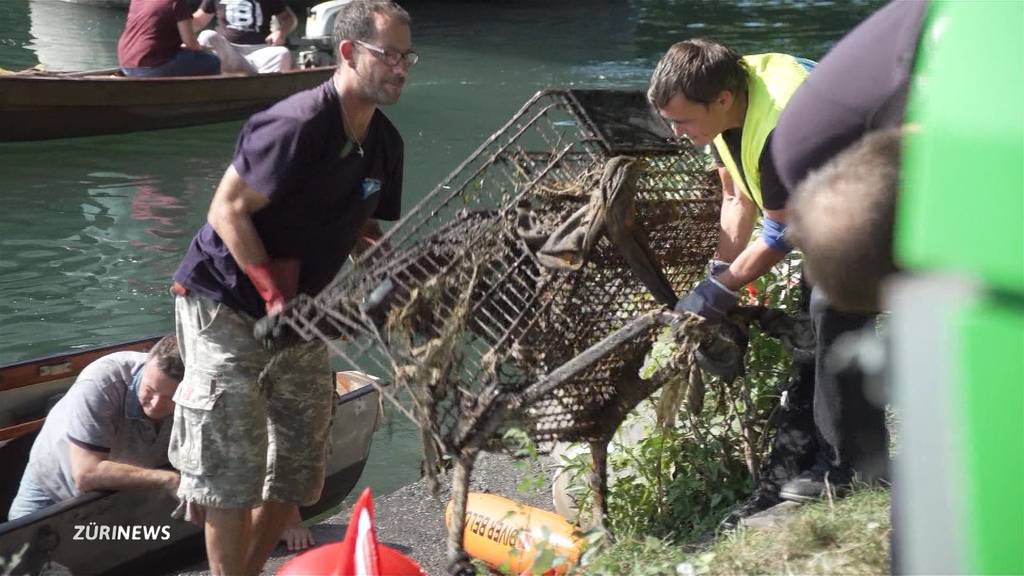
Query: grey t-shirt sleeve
{"points": [[94, 410]]}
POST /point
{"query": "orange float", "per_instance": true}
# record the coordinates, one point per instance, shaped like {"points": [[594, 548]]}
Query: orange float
{"points": [[509, 536]]}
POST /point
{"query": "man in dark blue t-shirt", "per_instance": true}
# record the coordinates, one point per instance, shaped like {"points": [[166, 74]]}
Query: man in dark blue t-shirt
{"points": [[310, 177], [859, 87]]}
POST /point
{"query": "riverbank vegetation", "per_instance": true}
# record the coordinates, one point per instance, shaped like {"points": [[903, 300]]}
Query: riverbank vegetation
{"points": [[686, 472], [669, 490], [843, 536], [671, 485]]}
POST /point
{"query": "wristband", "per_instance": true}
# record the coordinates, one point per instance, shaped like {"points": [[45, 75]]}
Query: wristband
{"points": [[773, 233]]}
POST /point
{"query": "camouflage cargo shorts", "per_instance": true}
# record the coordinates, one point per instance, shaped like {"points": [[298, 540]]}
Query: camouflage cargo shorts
{"points": [[238, 439]]}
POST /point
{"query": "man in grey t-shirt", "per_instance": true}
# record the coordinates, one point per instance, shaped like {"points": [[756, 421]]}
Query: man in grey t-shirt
{"points": [[109, 432]]}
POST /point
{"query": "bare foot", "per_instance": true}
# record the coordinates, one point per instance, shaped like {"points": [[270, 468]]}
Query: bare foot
{"points": [[297, 537]]}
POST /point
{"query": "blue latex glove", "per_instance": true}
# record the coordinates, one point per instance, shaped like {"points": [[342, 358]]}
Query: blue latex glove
{"points": [[710, 299]]}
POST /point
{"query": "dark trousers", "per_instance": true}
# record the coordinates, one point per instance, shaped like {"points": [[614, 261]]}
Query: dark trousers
{"points": [[826, 418], [794, 444], [851, 424]]}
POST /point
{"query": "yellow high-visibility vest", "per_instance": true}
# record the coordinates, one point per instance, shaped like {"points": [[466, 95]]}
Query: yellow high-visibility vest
{"points": [[771, 81]]}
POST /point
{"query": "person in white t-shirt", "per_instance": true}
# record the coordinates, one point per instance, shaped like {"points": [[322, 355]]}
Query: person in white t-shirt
{"points": [[243, 38]]}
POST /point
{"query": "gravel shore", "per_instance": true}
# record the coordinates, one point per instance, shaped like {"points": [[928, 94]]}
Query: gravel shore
{"points": [[412, 521]]}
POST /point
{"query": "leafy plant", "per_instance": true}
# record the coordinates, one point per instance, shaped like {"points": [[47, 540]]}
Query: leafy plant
{"points": [[679, 480], [518, 443]]}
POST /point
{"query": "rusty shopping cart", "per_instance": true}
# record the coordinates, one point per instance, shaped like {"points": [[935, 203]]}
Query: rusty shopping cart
{"points": [[525, 288]]}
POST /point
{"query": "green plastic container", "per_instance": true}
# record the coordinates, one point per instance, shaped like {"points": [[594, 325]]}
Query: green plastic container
{"points": [[962, 208], [961, 211]]}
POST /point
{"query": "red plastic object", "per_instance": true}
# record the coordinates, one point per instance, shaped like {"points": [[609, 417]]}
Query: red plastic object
{"points": [[359, 554]]}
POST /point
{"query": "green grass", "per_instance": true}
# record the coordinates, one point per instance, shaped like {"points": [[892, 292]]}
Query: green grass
{"points": [[847, 536], [634, 556]]}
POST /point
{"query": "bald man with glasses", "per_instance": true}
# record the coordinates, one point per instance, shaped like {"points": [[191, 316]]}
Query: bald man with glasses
{"points": [[310, 178]]}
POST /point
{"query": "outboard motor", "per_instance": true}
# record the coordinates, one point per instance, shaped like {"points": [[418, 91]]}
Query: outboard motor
{"points": [[316, 48]]}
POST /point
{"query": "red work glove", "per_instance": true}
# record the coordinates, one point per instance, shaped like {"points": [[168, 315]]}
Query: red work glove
{"points": [[277, 281]]}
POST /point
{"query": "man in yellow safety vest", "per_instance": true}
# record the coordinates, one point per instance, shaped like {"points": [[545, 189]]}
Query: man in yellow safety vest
{"points": [[711, 95]]}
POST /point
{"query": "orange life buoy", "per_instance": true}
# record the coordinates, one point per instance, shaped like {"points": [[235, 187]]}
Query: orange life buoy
{"points": [[507, 535]]}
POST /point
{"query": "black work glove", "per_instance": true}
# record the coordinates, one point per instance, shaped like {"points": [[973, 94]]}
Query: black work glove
{"points": [[721, 353], [710, 299], [273, 333], [795, 332]]}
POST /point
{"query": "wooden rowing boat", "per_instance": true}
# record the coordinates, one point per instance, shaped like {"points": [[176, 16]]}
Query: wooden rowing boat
{"points": [[193, 4], [43, 105], [53, 534]]}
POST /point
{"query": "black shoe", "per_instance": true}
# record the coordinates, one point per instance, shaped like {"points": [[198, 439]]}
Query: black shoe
{"points": [[759, 501], [814, 484]]}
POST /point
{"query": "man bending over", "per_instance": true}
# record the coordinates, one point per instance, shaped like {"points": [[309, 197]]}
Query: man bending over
{"points": [[109, 432]]}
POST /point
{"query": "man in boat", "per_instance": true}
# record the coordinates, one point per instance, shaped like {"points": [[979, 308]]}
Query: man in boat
{"points": [[712, 96], [243, 40], [109, 432], [158, 40], [860, 86], [310, 178]]}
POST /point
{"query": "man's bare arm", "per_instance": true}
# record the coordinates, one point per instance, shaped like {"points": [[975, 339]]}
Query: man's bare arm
{"points": [[188, 35], [755, 260], [286, 22], [368, 237], [737, 219], [230, 215], [200, 19], [93, 470]]}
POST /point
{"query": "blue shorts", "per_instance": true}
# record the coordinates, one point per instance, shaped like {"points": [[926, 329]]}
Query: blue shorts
{"points": [[184, 63], [31, 497]]}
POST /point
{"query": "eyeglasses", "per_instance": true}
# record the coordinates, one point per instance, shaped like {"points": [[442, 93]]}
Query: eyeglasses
{"points": [[392, 57]]}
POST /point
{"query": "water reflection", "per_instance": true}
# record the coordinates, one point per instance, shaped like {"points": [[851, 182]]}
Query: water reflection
{"points": [[82, 284], [74, 37], [162, 212], [801, 28], [14, 36], [98, 227]]}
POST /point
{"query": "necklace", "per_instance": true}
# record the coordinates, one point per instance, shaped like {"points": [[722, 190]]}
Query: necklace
{"points": [[351, 141]]}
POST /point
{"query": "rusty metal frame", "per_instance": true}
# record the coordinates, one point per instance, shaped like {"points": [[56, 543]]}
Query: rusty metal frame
{"points": [[553, 351]]}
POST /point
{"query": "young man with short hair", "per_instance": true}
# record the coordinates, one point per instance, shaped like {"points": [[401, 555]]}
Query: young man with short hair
{"points": [[711, 95]]}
